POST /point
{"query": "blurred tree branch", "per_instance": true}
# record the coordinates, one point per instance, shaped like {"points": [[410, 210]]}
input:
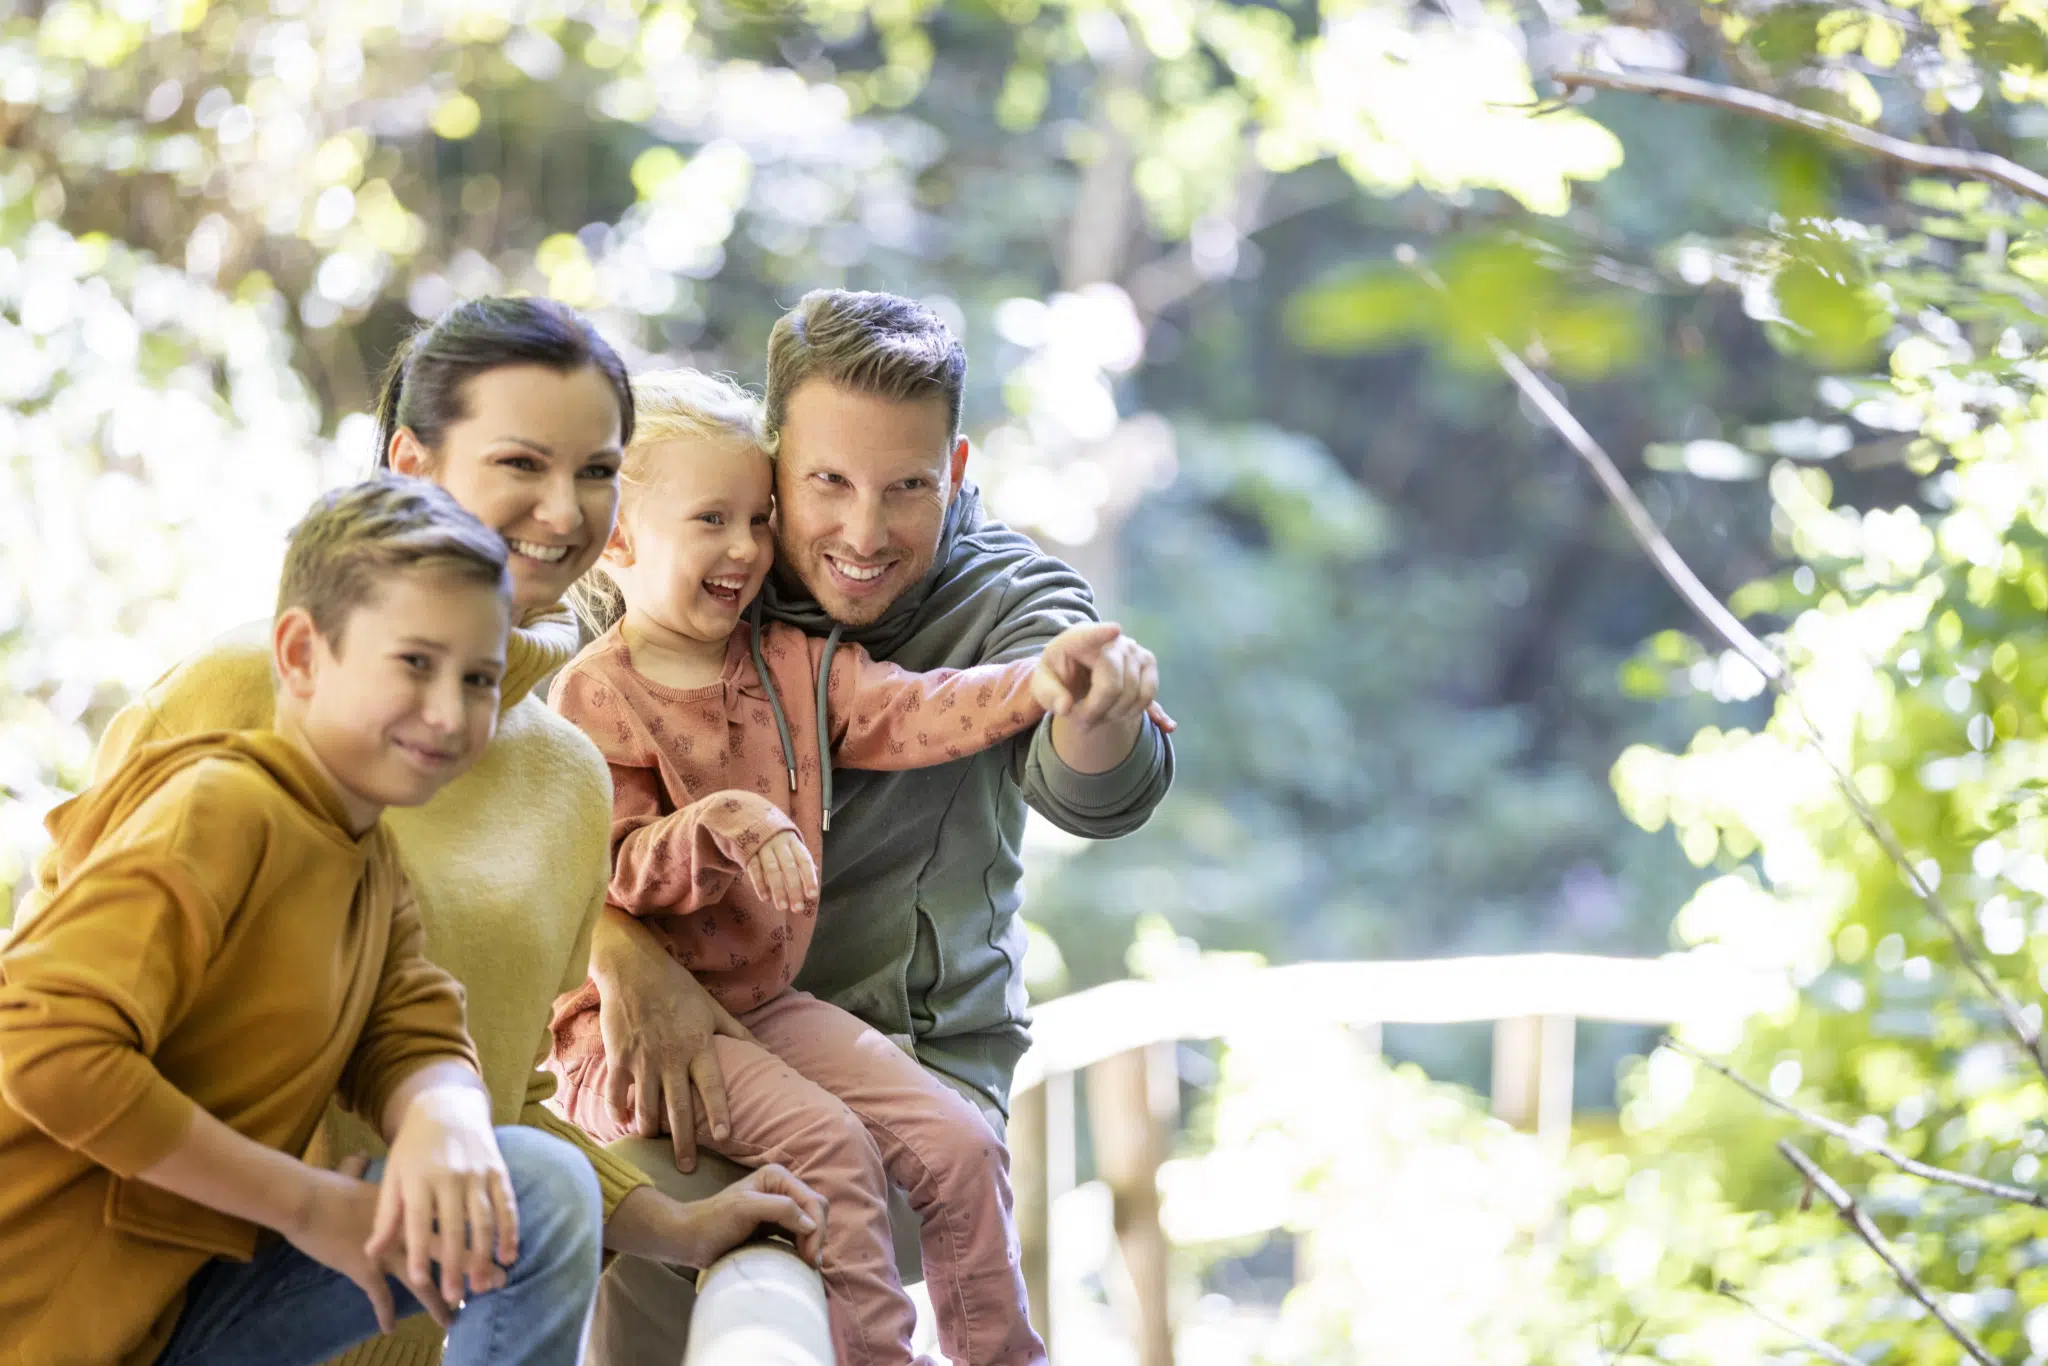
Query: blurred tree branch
{"points": [[1739, 638], [1817, 1346], [1917, 156], [1859, 1223], [1863, 1144]]}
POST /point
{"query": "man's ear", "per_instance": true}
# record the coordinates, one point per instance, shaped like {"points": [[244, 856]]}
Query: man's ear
{"points": [[294, 647], [958, 469], [407, 456]]}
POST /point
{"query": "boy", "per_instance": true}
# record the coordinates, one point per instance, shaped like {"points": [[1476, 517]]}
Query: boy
{"points": [[227, 942]]}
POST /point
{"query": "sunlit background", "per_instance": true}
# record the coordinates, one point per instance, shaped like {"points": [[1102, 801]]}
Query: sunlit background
{"points": [[1435, 704]]}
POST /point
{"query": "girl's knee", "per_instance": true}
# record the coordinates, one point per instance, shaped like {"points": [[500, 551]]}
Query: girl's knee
{"points": [[958, 1144]]}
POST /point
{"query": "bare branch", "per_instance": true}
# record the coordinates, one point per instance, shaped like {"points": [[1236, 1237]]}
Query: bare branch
{"points": [[1860, 1143], [1760, 656], [1812, 1344], [1859, 1224], [1918, 156]]}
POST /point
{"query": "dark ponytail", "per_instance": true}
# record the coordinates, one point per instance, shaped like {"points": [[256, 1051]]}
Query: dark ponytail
{"points": [[425, 387]]}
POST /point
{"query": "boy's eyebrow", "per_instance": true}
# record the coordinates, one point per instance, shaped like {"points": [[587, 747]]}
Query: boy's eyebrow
{"points": [[428, 642]]}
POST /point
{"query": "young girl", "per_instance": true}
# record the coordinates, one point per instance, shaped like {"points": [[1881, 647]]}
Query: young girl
{"points": [[721, 738]]}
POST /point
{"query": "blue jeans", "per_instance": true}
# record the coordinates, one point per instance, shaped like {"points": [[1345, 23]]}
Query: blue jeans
{"points": [[285, 1309]]}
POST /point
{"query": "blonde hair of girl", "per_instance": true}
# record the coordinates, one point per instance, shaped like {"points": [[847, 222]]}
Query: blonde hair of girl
{"points": [[668, 405]]}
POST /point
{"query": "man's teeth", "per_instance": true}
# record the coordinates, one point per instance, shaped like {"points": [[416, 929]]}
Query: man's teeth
{"points": [[533, 550], [857, 574]]}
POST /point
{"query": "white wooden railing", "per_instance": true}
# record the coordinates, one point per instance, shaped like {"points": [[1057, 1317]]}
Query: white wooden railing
{"points": [[1119, 1040], [763, 1305]]}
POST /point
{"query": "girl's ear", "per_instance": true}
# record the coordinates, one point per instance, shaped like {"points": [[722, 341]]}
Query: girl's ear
{"points": [[293, 647], [618, 547]]}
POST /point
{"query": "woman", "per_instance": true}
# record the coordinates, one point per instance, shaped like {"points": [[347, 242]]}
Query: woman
{"points": [[520, 410]]}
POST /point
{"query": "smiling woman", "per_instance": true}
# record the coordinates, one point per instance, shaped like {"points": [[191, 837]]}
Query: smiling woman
{"points": [[519, 409]]}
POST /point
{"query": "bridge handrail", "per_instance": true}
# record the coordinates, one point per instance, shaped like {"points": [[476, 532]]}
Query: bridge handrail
{"points": [[1072, 1033]]}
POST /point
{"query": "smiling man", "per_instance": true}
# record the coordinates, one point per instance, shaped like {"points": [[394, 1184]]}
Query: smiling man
{"points": [[882, 542]]}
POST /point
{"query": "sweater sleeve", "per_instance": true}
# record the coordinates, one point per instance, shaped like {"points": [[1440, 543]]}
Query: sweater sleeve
{"points": [[687, 859], [88, 990], [616, 1177], [415, 1019], [886, 718], [1043, 598]]}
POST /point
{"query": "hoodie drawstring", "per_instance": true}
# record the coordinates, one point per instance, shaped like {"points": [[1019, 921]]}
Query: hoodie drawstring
{"points": [[782, 723], [775, 706], [824, 730]]}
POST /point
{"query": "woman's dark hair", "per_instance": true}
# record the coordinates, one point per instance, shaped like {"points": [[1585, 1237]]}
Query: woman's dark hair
{"points": [[424, 388]]}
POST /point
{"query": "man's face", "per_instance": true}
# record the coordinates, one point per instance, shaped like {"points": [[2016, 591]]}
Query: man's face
{"points": [[862, 484]]}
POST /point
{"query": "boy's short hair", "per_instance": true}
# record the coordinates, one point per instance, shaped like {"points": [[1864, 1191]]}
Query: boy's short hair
{"points": [[355, 539], [872, 343]]}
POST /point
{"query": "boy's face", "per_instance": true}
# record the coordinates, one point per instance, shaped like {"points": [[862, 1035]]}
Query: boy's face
{"points": [[407, 698], [693, 543]]}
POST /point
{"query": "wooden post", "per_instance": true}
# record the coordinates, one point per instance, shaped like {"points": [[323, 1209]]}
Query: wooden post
{"points": [[1028, 1187], [1130, 1143], [1532, 1075]]}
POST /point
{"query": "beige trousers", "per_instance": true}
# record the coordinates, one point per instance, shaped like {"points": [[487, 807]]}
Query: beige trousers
{"points": [[642, 1316]]}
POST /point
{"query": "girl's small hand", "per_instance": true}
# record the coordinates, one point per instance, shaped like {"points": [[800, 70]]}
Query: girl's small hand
{"points": [[445, 1169], [782, 872]]}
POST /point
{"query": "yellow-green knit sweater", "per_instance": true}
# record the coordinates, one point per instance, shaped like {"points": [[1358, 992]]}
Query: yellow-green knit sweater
{"points": [[509, 864]]}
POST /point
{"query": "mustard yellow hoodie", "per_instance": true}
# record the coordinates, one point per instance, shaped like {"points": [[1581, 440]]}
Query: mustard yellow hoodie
{"points": [[211, 935], [508, 864]]}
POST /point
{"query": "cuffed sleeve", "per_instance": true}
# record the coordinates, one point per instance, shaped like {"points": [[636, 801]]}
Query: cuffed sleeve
{"points": [[686, 860], [1098, 805]]}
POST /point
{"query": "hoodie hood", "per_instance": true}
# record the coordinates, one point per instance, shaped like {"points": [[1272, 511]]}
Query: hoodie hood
{"points": [[786, 598], [78, 826]]}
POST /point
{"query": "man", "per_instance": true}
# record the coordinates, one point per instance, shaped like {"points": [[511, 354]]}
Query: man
{"points": [[880, 537]]}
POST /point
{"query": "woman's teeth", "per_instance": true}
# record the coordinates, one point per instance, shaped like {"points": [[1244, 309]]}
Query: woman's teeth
{"points": [[534, 550]]}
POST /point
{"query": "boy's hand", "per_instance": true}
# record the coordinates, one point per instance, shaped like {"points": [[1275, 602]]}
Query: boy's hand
{"points": [[782, 871], [445, 1169], [333, 1228]]}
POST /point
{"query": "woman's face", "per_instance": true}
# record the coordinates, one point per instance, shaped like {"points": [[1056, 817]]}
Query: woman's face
{"points": [[538, 460]]}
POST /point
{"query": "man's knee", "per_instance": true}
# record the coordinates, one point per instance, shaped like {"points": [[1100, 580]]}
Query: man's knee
{"points": [[561, 1211]]}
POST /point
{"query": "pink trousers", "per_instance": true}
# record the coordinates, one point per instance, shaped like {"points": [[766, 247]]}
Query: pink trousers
{"points": [[846, 1110]]}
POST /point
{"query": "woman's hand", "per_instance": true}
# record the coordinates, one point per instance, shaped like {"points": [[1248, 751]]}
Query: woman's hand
{"points": [[769, 1195], [658, 1023], [446, 1195]]}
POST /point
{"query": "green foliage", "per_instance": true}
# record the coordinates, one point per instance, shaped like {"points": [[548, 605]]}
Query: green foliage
{"points": [[1493, 286], [1913, 622]]}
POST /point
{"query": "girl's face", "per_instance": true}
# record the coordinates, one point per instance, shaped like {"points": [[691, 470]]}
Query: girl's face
{"points": [[537, 459], [694, 543]]}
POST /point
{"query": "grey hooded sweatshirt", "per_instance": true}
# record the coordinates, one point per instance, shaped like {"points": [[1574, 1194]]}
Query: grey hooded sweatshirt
{"points": [[918, 932]]}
